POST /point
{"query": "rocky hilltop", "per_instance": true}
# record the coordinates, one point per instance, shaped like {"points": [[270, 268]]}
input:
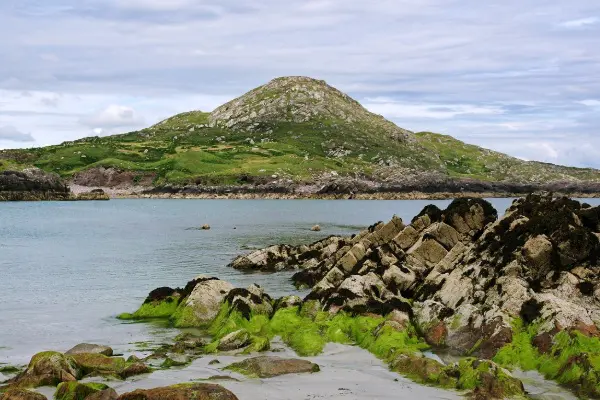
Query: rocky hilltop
{"points": [[294, 137]]}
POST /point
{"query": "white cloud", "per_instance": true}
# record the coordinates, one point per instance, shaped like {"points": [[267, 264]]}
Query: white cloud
{"points": [[393, 109], [113, 116], [578, 23], [12, 134], [590, 103]]}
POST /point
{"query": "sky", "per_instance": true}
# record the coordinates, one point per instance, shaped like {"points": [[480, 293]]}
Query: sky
{"points": [[520, 77]]}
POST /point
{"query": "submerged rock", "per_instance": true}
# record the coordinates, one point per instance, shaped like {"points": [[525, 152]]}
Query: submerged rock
{"points": [[84, 348], [268, 367], [184, 391]]}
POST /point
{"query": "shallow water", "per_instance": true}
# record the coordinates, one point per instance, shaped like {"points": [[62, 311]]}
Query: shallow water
{"points": [[67, 269]]}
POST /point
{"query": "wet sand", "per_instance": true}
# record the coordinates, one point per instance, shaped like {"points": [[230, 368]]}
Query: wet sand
{"points": [[346, 372]]}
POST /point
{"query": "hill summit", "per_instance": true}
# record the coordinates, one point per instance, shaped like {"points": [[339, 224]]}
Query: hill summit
{"points": [[299, 99], [293, 135]]}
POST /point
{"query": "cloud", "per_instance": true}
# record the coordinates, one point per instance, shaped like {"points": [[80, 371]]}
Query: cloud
{"points": [[579, 23], [394, 109], [12, 134], [590, 103], [113, 116], [426, 64]]}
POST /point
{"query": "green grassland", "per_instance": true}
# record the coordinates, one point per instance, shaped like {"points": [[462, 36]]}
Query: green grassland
{"points": [[292, 128]]}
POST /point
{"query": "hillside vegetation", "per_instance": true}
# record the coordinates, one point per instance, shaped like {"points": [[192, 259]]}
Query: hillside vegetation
{"points": [[292, 128]]}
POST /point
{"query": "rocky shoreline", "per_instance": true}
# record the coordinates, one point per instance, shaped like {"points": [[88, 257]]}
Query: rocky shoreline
{"points": [[517, 292]]}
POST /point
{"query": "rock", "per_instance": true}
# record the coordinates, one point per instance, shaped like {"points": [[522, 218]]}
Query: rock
{"points": [[203, 304], [176, 360], [268, 367], [250, 301], [32, 184], [134, 369], [77, 391], [94, 363], [188, 341], [316, 228], [21, 394], [184, 391], [205, 227], [421, 369], [91, 348], [47, 369], [214, 362], [107, 394], [235, 340], [270, 259], [287, 302]]}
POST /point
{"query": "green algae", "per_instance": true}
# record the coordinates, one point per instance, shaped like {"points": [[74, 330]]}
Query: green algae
{"points": [[155, 309], [77, 391], [573, 359]]}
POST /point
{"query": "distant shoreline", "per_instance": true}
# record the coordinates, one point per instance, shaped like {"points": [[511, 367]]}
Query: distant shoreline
{"points": [[415, 195]]}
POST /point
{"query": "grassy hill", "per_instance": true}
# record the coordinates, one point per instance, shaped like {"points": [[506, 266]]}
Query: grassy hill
{"points": [[295, 128]]}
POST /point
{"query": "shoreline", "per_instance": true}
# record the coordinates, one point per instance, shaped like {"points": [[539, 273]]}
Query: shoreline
{"points": [[141, 193]]}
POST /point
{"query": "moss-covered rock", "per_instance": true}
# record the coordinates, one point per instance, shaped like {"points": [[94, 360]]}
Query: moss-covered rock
{"points": [[47, 369], [21, 394], [187, 391], [77, 391], [234, 340], [268, 367], [99, 364]]}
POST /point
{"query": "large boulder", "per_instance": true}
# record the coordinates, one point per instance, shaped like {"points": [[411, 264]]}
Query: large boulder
{"points": [[268, 367], [203, 303], [47, 369], [184, 391]]}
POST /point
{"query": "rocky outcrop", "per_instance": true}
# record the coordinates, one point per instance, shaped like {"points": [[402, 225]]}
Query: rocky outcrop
{"points": [[269, 367], [33, 184], [250, 301], [184, 391], [462, 274]]}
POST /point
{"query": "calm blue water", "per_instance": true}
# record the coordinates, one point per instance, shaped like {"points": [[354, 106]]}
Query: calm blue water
{"points": [[67, 269]]}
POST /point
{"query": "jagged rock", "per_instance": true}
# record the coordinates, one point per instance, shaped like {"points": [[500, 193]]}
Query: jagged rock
{"points": [[250, 301], [272, 258], [183, 391], [90, 348], [269, 367]]}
